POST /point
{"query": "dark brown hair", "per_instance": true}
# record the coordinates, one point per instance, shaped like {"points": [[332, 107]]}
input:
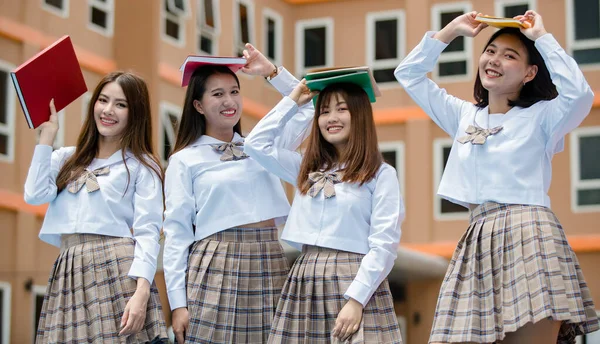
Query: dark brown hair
{"points": [[137, 136], [193, 124], [540, 88], [361, 158]]}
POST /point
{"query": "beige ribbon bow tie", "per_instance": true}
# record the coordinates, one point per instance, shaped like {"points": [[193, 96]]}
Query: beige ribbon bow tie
{"points": [[88, 179], [230, 150], [323, 181], [477, 135]]}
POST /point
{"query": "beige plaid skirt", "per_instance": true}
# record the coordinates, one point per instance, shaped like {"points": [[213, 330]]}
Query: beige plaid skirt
{"points": [[513, 266], [313, 295], [234, 281], [88, 291]]}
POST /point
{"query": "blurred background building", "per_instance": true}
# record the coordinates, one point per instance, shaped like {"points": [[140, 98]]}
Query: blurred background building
{"points": [[153, 37]]}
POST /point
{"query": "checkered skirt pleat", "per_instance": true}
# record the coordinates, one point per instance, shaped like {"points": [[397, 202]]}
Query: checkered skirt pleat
{"points": [[513, 266], [234, 282], [313, 295], [87, 293]]}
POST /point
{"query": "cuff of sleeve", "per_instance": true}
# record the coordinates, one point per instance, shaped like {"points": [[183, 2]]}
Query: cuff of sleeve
{"points": [[359, 292], [284, 81], [142, 269], [42, 153], [177, 298], [547, 44]]}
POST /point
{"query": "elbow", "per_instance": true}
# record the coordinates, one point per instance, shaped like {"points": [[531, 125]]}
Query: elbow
{"points": [[32, 199]]}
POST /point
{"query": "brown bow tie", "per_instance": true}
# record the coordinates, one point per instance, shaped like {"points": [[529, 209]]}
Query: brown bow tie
{"points": [[323, 181], [230, 150], [89, 179], [477, 135]]}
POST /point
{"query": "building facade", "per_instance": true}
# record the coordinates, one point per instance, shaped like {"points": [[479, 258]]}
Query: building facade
{"points": [[153, 37]]}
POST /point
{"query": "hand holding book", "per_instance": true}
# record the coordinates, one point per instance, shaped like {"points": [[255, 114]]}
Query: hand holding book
{"points": [[50, 127]]}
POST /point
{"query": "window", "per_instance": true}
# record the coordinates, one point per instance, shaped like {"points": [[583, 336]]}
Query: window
{"points": [[37, 293], [589, 338], [512, 8], [243, 14], [173, 21], [5, 300], [207, 26], [444, 209], [101, 16], [583, 31], [585, 169], [455, 62], [169, 119], [385, 43], [7, 114], [393, 154], [59, 140], [273, 36], [314, 44], [58, 7]]}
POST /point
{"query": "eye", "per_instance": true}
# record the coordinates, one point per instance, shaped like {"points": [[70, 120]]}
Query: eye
{"points": [[489, 50], [342, 109], [217, 94], [324, 111], [122, 105], [101, 100], [509, 56], [235, 92]]}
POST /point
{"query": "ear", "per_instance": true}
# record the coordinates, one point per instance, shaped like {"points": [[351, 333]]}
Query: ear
{"points": [[531, 73], [198, 106]]}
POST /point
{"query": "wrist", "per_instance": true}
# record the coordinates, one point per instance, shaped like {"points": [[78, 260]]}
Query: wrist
{"points": [[143, 286], [273, 71], [355, 303]]}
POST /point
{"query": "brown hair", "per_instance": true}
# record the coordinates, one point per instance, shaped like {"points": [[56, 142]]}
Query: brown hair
{"points": [[193, 124], [361, 158], [137, 136]]}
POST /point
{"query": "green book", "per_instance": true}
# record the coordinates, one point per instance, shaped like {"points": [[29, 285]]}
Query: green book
{"points": [[362, 76]]}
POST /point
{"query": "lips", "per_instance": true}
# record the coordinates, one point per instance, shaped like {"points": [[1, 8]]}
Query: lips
{"points": [[492, 73], [332, 129], [228, 112], [107, 121]]}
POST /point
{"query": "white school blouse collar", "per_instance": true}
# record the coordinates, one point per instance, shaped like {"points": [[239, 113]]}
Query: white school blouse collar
{"points": [[113, 159], [209, 140]]}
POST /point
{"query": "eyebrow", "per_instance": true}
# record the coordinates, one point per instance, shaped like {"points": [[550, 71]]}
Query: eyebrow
{"points": [[117, 99], [223, 89], [509, 49]]}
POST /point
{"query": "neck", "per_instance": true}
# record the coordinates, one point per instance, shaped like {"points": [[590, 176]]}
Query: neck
{"points": [[225, 135], [107, 147], [498, 104]]}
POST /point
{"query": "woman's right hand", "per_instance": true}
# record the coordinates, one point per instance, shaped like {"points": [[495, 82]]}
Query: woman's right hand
{"points": [[180, 319], [302, 94], [464, 25], [49, 128]]}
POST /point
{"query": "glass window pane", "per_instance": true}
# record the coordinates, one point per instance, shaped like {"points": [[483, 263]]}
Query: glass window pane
{"points": [[515, 10], [447, 206], [39, 302], [55, 3], [271, 38], [166, 146], [179, 4], [244, 25], [587, 56], [390, 157], [588, 197], [384, 75], [205, 44], [209, 18], [99, 17], [453, 68], [314, 47], [458, 44], [3, 144], [589, 161], [386, 39], [3, 97], [172, 28], [587, 19]]}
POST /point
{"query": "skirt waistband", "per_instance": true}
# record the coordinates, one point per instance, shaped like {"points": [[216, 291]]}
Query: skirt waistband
{"points": [[490, 208], [320, 249], [70, 240], [246, 235]]}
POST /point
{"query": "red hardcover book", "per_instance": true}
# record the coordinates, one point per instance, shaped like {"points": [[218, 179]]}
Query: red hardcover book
{"points": [[194, 61], [53, 73]]}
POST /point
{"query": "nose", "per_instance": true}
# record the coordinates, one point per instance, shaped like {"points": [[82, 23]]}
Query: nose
{"points": [[108, 108], [494, 61], [227, 100]]}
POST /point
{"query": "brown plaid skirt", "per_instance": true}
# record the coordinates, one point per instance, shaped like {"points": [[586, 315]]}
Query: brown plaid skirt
{"points": [[313, 295], [234, 282], [513, 266], [88, 291]]}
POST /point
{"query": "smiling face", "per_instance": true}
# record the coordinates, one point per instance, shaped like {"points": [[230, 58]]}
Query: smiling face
{"points": [[111, 111], [221, 103], [504, 67], [334, 121]]}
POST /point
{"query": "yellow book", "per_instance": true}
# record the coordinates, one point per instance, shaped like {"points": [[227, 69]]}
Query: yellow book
{"points": [[502, 22]]}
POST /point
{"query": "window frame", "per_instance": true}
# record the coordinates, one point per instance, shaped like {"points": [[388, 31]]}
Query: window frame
{"points": [[204, 30], [576, 183], [109, 8], [438, 169], [167, 108], [499, 5], [399, 148], [574, 44], [63, 13], [237, 39], [8, 129], [455, 56], [371, 19], [269, 13], [301, 27], [6, 311], [36, 290], [180, 20]]}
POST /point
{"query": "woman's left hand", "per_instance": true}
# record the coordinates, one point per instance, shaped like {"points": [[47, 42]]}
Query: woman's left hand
{"points": [[256, 62], [537, 29], [348, 320], [134, 315]]}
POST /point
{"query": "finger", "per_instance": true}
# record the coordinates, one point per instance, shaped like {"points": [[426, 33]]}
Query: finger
{"points": [[336, 329], [125, 317], [250, 47], [179, 337], [350, 331], [52, 107], [246, 54]]}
